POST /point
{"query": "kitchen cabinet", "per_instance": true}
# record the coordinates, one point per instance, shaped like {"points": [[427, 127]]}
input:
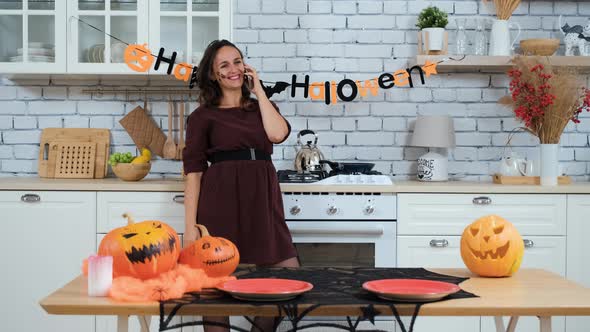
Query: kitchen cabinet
{"points": [[578, 233], [187, 27], [91, 51], [47, 236], [33, 35], [430, 228], [36, 34]]}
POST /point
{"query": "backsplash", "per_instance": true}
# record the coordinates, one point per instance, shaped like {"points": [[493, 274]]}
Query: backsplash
{"points": [[328, 40]]}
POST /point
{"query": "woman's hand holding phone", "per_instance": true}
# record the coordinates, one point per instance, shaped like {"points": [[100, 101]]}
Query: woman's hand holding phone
{"points": [[251, 80]]}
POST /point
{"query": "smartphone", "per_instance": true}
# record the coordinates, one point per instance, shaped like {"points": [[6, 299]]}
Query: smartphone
{"points": [[248, 79]]}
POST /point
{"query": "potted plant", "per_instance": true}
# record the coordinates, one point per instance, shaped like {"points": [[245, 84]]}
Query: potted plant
{"points": [[433, 21], [546, 100]]}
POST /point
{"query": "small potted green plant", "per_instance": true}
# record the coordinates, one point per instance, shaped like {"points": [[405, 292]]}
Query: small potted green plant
{"points": [[433, 20]]}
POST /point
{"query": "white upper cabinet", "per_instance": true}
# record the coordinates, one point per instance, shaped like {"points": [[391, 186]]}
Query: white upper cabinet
{"points": [[63, 37], [92, 51], [32, 36], [187, 27]]}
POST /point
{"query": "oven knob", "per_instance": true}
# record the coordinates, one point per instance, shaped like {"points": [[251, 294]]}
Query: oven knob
{"points": [[369, 209], [295, 210], [332, 210]]}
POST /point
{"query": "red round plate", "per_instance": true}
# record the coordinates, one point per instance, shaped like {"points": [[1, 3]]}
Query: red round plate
{"points": [[414, 290], [263, 289]]}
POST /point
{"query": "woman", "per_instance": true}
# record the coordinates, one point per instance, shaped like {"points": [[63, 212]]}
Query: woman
{"points": [[236, 198]]}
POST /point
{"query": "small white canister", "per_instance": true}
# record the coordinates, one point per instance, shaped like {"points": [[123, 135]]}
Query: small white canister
{"points": [[433, 167]]}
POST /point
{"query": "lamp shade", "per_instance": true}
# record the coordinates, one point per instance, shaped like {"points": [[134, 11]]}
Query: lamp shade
{"points": [[434, 131]]}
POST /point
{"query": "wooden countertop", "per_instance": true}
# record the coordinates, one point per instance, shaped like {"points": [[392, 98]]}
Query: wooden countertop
{"points": [[530, 292], [177, 185]]}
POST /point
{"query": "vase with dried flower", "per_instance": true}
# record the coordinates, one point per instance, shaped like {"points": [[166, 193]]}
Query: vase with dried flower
{"points": [[545, 100], [500, 43]]}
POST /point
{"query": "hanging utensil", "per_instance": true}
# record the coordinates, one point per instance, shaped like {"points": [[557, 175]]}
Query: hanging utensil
{"points": [[169, 146], [181, 132]]}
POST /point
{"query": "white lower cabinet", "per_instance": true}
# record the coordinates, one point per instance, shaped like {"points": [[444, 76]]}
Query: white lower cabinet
{"points": [[434, 252], [544, 252], [164, 206], [578, 235], [47, 236], [429, 235]]}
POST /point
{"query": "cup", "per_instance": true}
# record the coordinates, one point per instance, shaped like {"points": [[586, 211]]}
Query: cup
{"points": [[100, 275]]}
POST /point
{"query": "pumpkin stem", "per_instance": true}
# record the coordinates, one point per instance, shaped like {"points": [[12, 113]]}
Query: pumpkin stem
{"points": [[130, 220], [202, 230]]}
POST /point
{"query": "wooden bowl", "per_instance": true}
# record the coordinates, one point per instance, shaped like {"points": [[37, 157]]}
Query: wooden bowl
{"points": [[543, 47], [131, 172]]}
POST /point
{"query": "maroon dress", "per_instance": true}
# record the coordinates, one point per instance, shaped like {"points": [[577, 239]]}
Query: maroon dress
{"points": [[240, 200]]}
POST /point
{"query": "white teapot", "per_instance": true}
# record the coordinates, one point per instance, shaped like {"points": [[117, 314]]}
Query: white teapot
{"points": [[513, 165]]}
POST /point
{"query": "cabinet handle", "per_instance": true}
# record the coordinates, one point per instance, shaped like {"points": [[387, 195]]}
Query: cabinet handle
{"points": [[439, 243], [30, 198], [178, 199], [528, 243], [483, 200]]}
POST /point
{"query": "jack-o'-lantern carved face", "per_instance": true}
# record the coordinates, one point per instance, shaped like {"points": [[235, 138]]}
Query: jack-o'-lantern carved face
{"points": [[217, 256], [142, 250], [492, 247]]}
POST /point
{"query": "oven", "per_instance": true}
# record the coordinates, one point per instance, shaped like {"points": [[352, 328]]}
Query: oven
{"points": [[343, 230]]}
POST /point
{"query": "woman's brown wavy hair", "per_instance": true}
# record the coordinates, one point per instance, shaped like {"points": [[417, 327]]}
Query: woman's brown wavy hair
{"points": [[209, 91]]}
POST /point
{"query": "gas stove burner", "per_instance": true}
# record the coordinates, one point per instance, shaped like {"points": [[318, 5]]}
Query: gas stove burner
{"points": [[288, 176]]}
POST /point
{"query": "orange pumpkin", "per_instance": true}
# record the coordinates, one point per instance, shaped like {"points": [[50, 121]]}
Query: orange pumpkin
{"points": [[492, 247], [141, 250], [217, 256]]}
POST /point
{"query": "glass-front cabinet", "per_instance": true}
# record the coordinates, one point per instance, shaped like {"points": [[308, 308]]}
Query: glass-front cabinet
{"points": [[187, 27], [90, 36], [32, 36], [91, 50]]}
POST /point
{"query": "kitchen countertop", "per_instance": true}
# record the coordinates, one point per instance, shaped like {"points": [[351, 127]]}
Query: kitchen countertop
{"points": [[177, 185]]}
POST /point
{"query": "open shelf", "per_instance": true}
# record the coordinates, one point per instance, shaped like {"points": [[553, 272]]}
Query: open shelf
{"points": [[498, 64]]}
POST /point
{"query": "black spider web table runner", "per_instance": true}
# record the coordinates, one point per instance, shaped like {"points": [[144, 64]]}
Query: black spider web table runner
{"points": [[331, 286]]}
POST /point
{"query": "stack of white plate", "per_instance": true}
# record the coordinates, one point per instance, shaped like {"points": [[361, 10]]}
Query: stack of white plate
{"points": [[38, 52]]}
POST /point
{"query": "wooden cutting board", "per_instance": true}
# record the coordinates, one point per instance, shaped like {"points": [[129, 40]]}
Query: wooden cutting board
{"points": [[48, 150], [75, 160]]}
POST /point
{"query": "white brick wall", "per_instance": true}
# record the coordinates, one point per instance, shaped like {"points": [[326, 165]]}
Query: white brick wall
{"points": [[329, 40]]}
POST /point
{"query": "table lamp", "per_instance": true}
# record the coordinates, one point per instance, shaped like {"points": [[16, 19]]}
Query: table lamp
{"points": [[437, 133]]}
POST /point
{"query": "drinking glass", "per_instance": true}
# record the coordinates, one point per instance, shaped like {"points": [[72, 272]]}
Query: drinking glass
{"points": [[461, 38]]}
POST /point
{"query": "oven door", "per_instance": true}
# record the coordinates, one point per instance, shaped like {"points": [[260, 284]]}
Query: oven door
{"points": [[344, 243], [356, 243]]}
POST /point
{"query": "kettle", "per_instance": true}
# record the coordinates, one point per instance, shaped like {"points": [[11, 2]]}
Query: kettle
{"points": [[308, 156]]}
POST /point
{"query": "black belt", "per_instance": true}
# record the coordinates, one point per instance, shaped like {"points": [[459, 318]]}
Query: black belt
{"points": [[246, 154]]}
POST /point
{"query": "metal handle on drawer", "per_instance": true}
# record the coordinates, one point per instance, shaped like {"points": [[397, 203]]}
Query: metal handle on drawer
{"points": [[30, 198], [483, 200], [439, 243], [179, 199], [528, 243]]}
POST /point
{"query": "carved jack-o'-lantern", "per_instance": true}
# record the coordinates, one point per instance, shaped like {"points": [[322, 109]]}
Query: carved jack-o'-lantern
{"points": [[492, 247], [138, 57], [217, 256], [141, 250]]}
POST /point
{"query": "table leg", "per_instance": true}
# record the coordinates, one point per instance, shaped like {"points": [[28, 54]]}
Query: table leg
{"points": [[545, 324], [144, 323], [122, 323], [499, 324], [511, 324]]}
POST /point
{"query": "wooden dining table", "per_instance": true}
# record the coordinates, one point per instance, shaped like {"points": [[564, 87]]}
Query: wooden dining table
{"points": [[530, 292]]}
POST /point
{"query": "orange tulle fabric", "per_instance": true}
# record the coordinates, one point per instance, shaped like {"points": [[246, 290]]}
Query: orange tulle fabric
{"points": [[169, 285]]}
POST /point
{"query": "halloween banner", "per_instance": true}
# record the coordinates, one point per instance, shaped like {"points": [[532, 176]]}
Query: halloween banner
{"points": [[139, 58]]}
